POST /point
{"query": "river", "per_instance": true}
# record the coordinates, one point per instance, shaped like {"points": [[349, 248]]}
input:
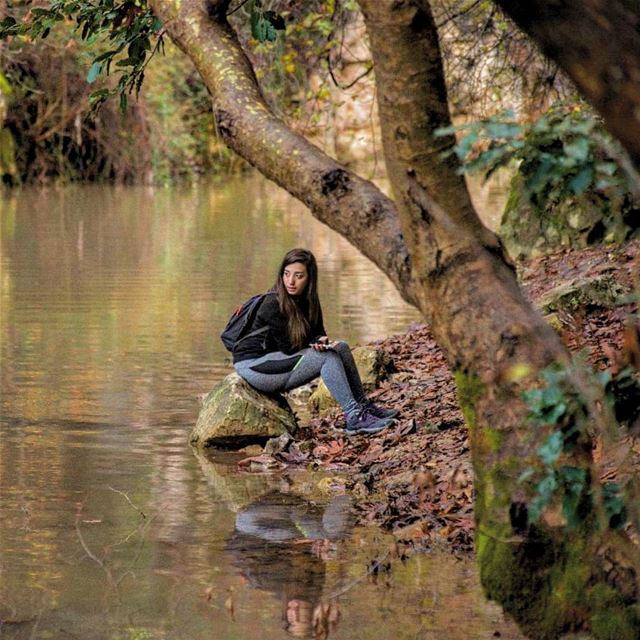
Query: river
{"points": [[111, 302]]}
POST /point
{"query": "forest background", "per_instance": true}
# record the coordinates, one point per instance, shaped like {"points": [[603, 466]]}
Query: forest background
{"points": [[429, 242], [316, 73]]}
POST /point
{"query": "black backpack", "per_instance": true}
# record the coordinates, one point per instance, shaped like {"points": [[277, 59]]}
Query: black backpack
{"points": [[239, 326]]}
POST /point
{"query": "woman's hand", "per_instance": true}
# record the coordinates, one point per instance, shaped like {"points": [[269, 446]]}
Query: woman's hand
{"points": [[321, 344]]}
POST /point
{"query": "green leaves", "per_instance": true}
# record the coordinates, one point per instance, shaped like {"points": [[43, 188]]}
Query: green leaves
{"points": [[548, 404], [573, 483], [582, 181], [556, 407], [551, 449], [94, 72], [8, 27], [562, 154], [545, 490], [131, 31], [577, 149], [265, 24]]}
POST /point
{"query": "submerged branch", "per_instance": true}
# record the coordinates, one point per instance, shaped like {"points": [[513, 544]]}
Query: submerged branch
{"points": [[126, 497]]}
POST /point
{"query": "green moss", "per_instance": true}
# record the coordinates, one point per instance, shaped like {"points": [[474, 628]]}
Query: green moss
{"points": [[539, 581], [602, 595], [515, 195], [613, 625], [544, 582], [493, 438], [554, 321], [543, 578], [531, 228], [612, 619], [470, 390]]}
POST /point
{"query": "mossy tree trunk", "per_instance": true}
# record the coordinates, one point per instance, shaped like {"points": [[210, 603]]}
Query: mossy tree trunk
{"points": [[549, 578], [443, 260]]}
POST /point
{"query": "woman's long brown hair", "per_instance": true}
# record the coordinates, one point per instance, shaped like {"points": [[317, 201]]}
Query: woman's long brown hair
{"points": [[298, 324]]}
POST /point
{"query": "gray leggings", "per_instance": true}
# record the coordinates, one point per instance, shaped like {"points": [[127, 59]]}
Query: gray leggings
{"points": [[336, 367]]}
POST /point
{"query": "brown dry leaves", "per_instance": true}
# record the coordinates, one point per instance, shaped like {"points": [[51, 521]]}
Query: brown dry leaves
{"points": [[416, 478]]}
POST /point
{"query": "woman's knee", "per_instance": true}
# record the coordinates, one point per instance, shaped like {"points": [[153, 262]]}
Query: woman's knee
{"points": [[342, 347], [331, 359]]}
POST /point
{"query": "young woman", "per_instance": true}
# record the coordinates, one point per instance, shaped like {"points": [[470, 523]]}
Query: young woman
{"points": [[294, 349]]}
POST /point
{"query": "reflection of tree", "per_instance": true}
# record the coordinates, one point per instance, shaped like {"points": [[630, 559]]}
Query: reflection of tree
{"points": [[110, 299], [278, 545]]}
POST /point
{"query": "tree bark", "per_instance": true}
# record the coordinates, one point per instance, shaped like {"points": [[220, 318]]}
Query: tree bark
{"points": [[406, 52], [477, 312], [595, 42], [442, 259]]}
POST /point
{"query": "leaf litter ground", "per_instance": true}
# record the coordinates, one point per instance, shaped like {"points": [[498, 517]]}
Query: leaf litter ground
{"points": [[416, 479]]}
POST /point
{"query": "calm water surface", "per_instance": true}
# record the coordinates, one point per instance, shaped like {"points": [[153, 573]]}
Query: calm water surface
{"points": [[111, 300]]}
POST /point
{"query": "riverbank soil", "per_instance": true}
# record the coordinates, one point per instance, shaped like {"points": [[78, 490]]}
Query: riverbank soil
{"points": [[415, 478]]}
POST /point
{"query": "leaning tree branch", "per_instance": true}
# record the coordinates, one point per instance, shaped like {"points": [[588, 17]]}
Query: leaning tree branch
{"points": [[347, 203]]}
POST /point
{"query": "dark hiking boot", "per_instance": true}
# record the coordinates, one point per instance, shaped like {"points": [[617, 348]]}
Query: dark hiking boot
{"points": [[361, 421], [381, 412]]}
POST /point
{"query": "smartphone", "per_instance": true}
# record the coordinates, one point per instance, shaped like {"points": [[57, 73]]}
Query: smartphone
{"points": [[323, 346]]}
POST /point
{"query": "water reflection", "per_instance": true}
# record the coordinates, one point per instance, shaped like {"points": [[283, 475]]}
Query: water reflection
{"points": [[111, 300], [280, 545]]}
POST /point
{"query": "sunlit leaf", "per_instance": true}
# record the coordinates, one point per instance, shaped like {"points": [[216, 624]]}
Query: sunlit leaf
{"points": [[608, 168], [94, 72], [526, 474], [555, 412], [551, 448], [582, 180], [578, 149], [498, 130], [547, 486]]}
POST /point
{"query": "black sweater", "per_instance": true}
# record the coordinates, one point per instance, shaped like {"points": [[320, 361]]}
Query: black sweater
{"points": [[277, 337]]}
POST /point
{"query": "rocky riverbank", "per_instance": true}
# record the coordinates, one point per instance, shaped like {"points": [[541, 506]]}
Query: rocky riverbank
{"points": [[416, 478]]}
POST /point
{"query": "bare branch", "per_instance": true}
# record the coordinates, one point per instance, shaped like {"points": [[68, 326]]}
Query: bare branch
{"points": [[126, 497], [351, 84]]}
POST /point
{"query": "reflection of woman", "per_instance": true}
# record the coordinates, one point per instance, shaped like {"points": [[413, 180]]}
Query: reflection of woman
{"points": [[268, 547], [293, 349]]}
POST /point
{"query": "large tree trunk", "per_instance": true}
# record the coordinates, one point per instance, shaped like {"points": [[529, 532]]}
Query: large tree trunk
{"points": [[405, 52], [442, 259], [550, 579], [596, 43]]}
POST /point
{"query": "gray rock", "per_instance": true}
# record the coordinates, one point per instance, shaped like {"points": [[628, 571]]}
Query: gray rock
{"points": [[374, 366], [529, 230], [601, 290], [298, 400], [279, 444], [234, 415]]}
